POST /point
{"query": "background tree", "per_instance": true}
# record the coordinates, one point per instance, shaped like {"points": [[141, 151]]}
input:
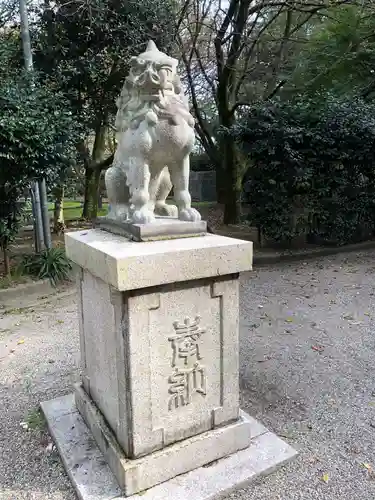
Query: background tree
{"points": [[312, 168], [340, 54], [235, 53], [83, 49], [37, 136]]}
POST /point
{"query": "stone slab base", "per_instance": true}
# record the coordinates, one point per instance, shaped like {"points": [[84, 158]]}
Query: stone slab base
{"points": [[93, 479], [162, 228], [140, 474]]}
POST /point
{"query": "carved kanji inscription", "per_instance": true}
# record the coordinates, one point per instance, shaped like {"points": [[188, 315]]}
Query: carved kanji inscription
{"points": [[189, 374]]}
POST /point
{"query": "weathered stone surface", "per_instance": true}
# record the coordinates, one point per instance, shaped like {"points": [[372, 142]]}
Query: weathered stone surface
{"points": [[135, 357], [100, 334], [127, 265], [160, 466], [160, 367], [155, 136], [93, 480], [82, 459], [161, 228]]}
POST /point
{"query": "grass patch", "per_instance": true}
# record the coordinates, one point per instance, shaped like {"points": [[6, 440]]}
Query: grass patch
{"points": [[18, 310], [35, 420], [196, 204], [9, 282], [204, 204], [17, 277], [4, 332], [76, 212], [71, 204], [73, 209]]}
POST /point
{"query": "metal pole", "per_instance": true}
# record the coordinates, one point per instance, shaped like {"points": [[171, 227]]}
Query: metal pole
{"points": [[39, 241], [41, 229], [25, 34], [34, 224], [45, 214]]}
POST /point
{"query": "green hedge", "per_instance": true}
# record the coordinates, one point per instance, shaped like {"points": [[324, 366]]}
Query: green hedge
{"points": [[311, 169]]}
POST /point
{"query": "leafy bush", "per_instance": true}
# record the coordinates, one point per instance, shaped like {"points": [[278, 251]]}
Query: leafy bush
{"points": [[311, 168], [50, 263], [10, 218], [37, 140], [200, 162]]}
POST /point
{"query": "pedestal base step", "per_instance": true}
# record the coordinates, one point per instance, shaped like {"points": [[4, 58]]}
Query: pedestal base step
{"points": [[93, 479], [163, 228]]}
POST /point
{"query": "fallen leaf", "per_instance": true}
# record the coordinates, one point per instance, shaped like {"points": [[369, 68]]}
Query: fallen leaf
{"points": [[60, 321], [21, 341], [371, 403], [354, 449], [289, 320], [318, 348], [266, 358], [325, 478], [366, 466], [348, 317], [49, 447]]}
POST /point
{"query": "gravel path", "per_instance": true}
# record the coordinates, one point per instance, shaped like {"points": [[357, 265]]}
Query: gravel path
{"points": [[44, 365], [307, 372]]}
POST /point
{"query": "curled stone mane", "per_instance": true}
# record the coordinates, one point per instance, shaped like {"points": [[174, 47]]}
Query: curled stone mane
{"points": [[136, 105]]}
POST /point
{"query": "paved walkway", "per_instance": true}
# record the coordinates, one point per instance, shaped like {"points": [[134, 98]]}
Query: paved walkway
{"points": [[307, 372]]}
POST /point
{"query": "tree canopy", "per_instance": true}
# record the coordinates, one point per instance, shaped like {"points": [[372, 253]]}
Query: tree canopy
{"points": [[83, 49], [340, 54]]}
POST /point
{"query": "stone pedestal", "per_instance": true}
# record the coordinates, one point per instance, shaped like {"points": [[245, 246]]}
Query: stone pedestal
{"points": [[159, 350]]}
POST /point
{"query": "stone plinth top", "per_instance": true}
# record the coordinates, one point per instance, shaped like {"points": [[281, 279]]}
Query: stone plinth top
{"points": [[128, 265]]}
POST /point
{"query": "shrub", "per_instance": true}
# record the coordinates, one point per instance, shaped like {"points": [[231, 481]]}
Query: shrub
{"points": [[10, 215], [311, 168], [50, 263]]}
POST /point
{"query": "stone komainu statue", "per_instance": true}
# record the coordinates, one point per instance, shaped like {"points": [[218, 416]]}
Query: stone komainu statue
{"points": [[155, 136]]}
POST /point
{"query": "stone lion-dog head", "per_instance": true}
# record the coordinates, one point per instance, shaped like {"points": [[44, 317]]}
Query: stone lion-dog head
{"points": [[152, 90]]}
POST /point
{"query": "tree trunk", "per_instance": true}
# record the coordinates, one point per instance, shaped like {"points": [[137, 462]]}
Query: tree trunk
{"points": [[88, 200], [232, 177], [220, 184], [227, 148], [90, 206], [58, 212], [232, 208], [92, 176], [6, 261]]}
